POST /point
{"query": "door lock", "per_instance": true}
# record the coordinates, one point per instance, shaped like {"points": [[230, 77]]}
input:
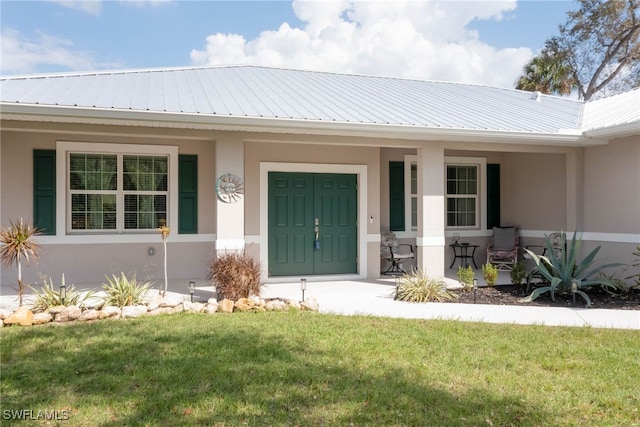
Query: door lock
{"points": [[316, 229]]}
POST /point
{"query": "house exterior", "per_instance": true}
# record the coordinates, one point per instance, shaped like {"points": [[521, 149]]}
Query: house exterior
{"points": [[304, 170]]}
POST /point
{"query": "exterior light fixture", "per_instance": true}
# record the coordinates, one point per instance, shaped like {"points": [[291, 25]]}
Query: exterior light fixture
{"points": [[192, 288], [63, 293], [475, 290], [303, 286]]}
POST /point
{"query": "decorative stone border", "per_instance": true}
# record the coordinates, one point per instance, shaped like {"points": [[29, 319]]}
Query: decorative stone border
{"points": [[153, 305]]}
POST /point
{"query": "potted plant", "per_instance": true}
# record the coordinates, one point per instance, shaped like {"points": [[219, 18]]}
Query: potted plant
{"points": [[490, 273]]}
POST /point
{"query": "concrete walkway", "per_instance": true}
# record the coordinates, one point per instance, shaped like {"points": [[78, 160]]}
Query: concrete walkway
{"points": [[374, 298]]}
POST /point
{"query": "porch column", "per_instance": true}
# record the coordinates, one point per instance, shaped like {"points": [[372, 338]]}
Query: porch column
{"points": [[431, 240], [575, 199], [230, 215]]}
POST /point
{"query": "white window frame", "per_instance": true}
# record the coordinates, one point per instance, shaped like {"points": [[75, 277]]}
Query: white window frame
{"points": [[63, 204], [409, 160], [481, 205]]}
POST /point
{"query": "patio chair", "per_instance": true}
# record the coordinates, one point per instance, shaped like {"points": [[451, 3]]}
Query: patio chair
{"points": [[391, 252], [558, 242], [502, 251]]}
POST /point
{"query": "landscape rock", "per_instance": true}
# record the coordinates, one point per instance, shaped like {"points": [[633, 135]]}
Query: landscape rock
{"points": [[56, 309], [244, 304], [21, 316], [4, 313], [170, 301], [109, 311], [193, 307], [276, 305], [133, 311], [310, 304], [211, 308], [42, 318], [225, 306], [89, 315], [1, 323], [73, 312], [295, 304]]}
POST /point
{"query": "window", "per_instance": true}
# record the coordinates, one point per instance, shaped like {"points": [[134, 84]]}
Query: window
{"points": [[116, 191], [462, 196], [412, 192]]}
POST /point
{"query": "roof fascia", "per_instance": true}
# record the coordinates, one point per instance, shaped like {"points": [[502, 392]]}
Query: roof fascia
{"points": [[81, 115]]}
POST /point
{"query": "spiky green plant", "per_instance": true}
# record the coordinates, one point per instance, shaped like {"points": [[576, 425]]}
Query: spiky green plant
{"points": [[418, 287], [17, 245], [122, 291], [47, 296], [636, 264], [565, 274]]}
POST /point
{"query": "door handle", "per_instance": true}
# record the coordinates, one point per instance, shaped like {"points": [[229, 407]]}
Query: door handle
{"points": [[316, 229]]}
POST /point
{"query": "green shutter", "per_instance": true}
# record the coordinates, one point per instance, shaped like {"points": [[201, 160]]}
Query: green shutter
{"points": [[493, 196], [44, 191], [396, 196], [187, 194]]}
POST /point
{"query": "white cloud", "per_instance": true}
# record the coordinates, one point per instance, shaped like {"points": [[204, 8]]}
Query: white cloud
{"points": [[22, 55], [93, 7], [409, 39]]}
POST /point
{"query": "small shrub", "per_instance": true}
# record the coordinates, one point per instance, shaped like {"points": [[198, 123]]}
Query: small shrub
{"points": [[490, 274], [418, 287], [235, 275], [122, 291], [466, 276], [518, 273], [47, 296]]}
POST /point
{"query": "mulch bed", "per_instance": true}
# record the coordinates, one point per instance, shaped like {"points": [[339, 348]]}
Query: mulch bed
{"points": [[511, 295]]}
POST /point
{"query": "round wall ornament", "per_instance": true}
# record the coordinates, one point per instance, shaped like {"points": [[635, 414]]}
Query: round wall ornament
{"points": [[229, 188]]}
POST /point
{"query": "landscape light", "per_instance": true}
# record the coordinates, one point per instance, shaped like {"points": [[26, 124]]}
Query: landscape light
{"points": [[192, 288], [303, 286], [63, 293]]}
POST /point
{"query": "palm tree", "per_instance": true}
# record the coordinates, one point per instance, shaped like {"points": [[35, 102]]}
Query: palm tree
{"points": [[548, 74], [17, 245]]}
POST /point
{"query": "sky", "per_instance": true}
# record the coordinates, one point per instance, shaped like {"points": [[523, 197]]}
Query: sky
{"points": [[481, 42]]}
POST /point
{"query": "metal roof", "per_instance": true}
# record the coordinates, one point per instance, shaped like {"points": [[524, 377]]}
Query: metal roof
{"points": [[207, 93]]}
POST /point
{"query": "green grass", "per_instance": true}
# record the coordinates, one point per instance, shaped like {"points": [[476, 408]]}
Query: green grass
{"points": [[312, 369]]}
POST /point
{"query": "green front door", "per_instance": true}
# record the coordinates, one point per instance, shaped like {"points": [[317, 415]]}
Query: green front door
{"points": [[312, 224]]}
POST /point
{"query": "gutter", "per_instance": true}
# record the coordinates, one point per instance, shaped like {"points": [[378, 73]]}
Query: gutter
{"points": [[81, 115]]}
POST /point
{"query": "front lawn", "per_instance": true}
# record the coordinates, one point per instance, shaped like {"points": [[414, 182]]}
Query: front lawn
{"points": [[313, 369]]}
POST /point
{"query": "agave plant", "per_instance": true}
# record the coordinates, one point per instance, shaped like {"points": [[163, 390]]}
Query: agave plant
{"points": [[17, 245], [565, 274]]}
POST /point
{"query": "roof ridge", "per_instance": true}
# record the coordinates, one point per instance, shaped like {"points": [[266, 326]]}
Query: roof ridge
{"points": [[210, 67]]}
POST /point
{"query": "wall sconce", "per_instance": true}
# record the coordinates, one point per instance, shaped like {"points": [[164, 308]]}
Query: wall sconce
{"points": [[475, 289], [192, 288], [151, 251], [63, 293], [303, 286]]}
